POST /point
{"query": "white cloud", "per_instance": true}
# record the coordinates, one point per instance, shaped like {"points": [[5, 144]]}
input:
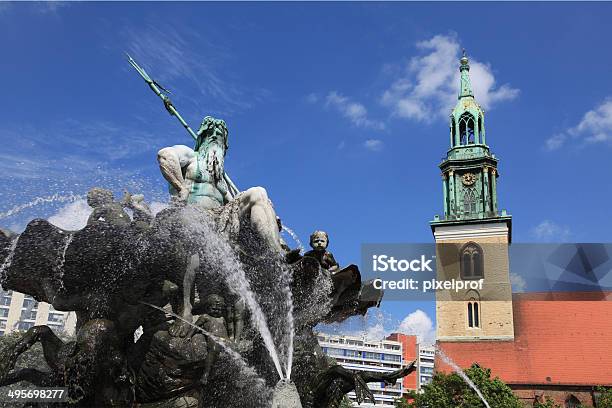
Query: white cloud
{"points": [[354, 111], [419, 324], [374, 145], [376, 332], [172, 54], [428, 88], [550, 231], [72, 216], [157, 206], [50, 7], [379, 325], [517, 282], [109, 141], [312, 98], [556, 141], [41, 7], [71, 148], [595, 127], [16, 228]]}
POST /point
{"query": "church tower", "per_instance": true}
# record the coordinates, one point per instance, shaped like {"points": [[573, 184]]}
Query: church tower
{"points": [[472, 237]]}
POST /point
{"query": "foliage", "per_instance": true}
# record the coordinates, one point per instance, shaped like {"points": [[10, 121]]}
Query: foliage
{"points": [[451, 391], [547, 404], [605, 397], [402, 403], [345, 403]]}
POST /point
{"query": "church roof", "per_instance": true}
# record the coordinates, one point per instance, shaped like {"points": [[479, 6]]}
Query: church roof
{"points": [[560, 339]]}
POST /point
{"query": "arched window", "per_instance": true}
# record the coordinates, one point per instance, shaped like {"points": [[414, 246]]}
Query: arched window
{"points": [[471, 262], [572, 402], [469, 201], [453, 131], [470, 315], [473, 313], [480, 134], [466, 129]]}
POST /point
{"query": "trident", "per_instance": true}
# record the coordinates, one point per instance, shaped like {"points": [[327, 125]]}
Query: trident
{"points": [[157, 88]]}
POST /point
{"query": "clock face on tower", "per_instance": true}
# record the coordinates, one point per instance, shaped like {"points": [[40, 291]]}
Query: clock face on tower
{"points": [[468, 179]]}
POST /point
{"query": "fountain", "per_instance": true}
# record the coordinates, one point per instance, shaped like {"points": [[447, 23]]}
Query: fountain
{"points": [[461, 374], [124, 281], [199, 305], [57, 198]]}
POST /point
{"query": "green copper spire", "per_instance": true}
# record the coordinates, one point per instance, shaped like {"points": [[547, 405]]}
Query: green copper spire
{"points": [[466, 84], [469, 171], [467, 119]]}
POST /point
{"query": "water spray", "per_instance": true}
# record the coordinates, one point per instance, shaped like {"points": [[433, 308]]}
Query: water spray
{"points": [[461, 373], [236, 280], [294, 236], [40, 200]]}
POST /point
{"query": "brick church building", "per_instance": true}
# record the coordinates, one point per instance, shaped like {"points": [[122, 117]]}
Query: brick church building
{"points": [[548, 344]]}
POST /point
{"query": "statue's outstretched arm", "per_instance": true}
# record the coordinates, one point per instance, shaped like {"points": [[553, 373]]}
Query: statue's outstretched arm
{"points": [[390, 378], [136, 203]]}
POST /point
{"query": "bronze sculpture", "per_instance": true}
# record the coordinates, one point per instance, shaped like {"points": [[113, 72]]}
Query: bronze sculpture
{"points": [[205, 338]]}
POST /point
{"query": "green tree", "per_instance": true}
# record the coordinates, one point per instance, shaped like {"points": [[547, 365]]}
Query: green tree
{"points": [[451, 391], [605, 397], [402, 403], [345, 403], [547, 404]]}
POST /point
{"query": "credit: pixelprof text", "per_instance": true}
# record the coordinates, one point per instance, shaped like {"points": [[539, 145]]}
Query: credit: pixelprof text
{"points": [[410, 284]]}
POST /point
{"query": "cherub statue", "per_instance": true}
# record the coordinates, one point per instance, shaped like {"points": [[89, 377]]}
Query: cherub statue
{"points": [[319, 240], [213, 322], [141, 210], [105, 208]]}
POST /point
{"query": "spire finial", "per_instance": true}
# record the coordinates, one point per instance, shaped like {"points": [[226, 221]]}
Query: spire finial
{"points": [[464, 59], [466, 86]]}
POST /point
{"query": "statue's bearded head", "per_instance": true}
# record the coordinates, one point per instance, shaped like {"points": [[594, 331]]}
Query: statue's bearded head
{"points": [[212, 131], [212, 144]]}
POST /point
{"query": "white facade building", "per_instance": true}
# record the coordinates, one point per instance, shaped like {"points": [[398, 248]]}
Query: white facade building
{"points": [[20, 312], [359, 354], [425, 365]]}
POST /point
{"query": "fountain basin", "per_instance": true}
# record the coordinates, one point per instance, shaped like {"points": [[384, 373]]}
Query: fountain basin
{"points": [[286, 395]]}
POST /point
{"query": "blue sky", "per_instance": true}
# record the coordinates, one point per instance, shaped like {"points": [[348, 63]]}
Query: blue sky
{"points": [[338, 109]]}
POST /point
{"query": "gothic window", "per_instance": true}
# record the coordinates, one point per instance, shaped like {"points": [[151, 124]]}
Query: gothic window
{"points": [[466, 129], [480, 134], [572, 402], [471, 264], [453, 132], [473, 313], [469, 201]]}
